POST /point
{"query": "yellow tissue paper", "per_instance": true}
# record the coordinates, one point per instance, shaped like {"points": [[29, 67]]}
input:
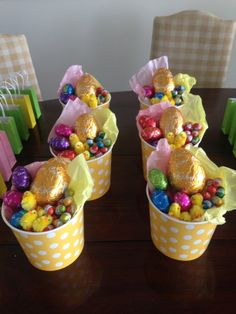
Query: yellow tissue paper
{"points": [[193, 111], [81, 181], [107, 122], [184, 80], [228, 176]]}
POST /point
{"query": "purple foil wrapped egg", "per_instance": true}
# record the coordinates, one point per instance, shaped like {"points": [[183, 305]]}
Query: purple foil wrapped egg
{"points": [[64, 97], [21, 178], [148, 91], [183, 200], [59, 143], [12, 199], [63, 130]]}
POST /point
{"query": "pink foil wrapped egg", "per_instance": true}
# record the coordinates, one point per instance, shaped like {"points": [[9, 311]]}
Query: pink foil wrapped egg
{"points": [[63, 130], [183, 200], [12, 199], [148, 91]]}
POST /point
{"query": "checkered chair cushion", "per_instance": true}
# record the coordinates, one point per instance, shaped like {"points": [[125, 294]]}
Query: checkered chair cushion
{"points": [[196, 43], [15, 57]]}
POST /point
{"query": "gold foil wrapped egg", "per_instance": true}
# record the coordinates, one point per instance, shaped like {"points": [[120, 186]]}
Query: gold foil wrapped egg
{"points": [[185, 172], [86, 126], [163, 80], [87, 84], [171, 121], [50, 181]]}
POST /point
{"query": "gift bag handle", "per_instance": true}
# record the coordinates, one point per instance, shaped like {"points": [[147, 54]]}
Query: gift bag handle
{"points": [[21, 75], [1, 106], [17, 88], [9, 93]]}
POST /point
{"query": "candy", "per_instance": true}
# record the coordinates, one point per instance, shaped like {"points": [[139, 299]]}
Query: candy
{"points": [[185, 172], [50, 181], [64, 218], [183, 200], [69, 89], [64, 97], [158, 179], [27, 219], [174, 210], [28, 201], [86, 127], [142, 121], [59, 143], [206, 204], [217, 201], [73, 139], [163, 80], [21, 178], [220, 192], [70, 154], [196, 212], [12, 199], [87, 84], [151, 133], [63, 130], [50, 210], [185, 216], [40, 223], [79, 148], [171, 121], [107, 142], [15, 218], [161, 200], [196, 199], [148, 91]]}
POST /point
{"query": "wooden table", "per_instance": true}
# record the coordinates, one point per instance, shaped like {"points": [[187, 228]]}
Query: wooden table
{"points": [[120, 270]]}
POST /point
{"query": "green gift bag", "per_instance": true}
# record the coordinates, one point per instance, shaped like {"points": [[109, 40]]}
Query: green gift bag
{"points": [[8, 125], [21, 84], [29, 91], [17, 113], [24, 102], [34, 100]]}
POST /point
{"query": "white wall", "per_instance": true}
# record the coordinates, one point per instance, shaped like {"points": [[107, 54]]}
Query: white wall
{"points": [[111, 39]]}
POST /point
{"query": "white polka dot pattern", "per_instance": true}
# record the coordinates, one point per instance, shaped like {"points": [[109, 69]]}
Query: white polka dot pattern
{"points": [[54, 249], [178, 239], [100, 170]]}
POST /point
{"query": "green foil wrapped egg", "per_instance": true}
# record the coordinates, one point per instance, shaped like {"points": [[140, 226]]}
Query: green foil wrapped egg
{"points": [[158, 179]]}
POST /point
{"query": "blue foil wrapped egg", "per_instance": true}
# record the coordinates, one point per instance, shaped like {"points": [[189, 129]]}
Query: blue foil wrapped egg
{"points": [[15, 218], [68, 89], [161, 200]]}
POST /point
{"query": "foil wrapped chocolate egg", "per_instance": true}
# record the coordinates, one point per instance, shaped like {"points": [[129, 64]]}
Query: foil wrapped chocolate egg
{"points": [[163, 80], [87, 84], [171, 121], [21, 178], [63, 130], [50, 181], [185, 172], [86, 126], [59, 143]]}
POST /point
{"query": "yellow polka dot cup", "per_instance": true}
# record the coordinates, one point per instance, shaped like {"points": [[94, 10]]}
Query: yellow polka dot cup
{"points": [[54, 249], [177, 239], [100, 170]]}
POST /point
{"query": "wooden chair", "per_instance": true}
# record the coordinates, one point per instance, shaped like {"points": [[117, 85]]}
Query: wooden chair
{"points": [[196, 43], [15, 57]]}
